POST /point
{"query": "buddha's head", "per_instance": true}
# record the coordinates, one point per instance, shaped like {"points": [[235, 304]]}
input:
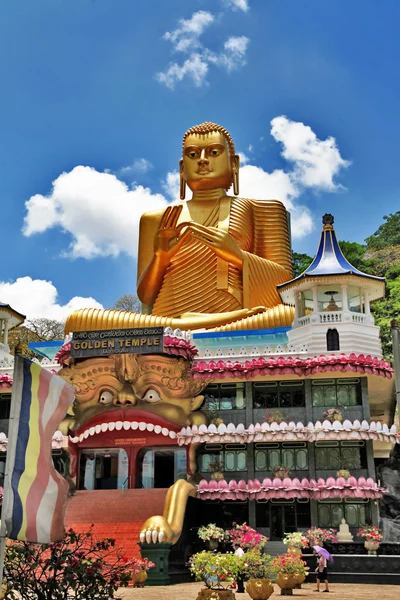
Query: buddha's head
{"points": [[209, 160]]}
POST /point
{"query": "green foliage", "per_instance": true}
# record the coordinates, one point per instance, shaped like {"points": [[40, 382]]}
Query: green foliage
{"points": [[388, 234], [76, 568], [300, 263], [355, 254], [215, 569], [256, 566]]}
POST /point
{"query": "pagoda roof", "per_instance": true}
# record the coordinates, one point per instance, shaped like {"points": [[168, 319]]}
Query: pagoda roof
{"points": [[16, 318], [329, 260]]}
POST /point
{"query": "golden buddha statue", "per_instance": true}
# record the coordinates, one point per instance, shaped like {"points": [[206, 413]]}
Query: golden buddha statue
{"points": [[210, 262]]}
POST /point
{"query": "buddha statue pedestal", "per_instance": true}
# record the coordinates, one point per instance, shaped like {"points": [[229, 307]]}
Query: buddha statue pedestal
{"points": [[344, 536]]}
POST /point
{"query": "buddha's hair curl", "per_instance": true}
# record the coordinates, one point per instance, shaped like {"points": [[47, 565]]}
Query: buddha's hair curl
{"points": [[205, 129]]}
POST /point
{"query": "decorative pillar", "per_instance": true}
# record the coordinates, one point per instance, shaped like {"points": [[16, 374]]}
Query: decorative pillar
{"points": [[345, 300], [296, 306], [367, 305], [5, 337], [315, 298]]}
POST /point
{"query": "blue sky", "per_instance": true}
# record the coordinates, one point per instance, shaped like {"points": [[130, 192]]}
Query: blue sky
{"points": [[103, 90]]}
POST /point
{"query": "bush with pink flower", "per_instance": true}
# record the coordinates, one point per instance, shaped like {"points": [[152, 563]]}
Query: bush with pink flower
{"points": [[370, 533], [316, 536], [246, 536]]}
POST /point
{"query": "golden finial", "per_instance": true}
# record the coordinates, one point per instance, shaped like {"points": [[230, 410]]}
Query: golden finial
{"points": [[327, 221]]}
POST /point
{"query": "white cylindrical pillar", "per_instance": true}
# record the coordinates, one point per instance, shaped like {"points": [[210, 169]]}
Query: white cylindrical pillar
{"points": [[315, 298], [6, 325], [296, 305], [367, 304], [345, 300]]}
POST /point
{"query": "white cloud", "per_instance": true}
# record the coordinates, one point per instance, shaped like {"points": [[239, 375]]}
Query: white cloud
{"points": [[171, 185], [37, 298], [243, 158], [238, 4], [194, 68], [316, 161], [186, 39], [98, 210], [140, 166]]}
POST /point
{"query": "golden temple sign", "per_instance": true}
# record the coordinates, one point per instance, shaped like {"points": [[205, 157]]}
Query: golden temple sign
{"points": [[149, 340]]}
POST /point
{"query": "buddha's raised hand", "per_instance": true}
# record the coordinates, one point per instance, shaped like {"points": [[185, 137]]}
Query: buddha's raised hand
{"points": [[169, 237]]}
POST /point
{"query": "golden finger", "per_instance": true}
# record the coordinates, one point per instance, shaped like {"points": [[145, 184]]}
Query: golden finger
{"points": [[174, 216], [165, 217]]}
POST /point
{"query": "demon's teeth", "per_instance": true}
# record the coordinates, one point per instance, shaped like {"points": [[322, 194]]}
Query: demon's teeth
{"points": [[118, 425], [134, 425], [165, 431], [127, 425], [104, 426], [157, 429], [92, 431], [150, 427], [142, 426], [111, 426]]}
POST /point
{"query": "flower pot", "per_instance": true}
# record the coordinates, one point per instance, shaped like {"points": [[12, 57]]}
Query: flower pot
{"points": [[209, 594], [294, 550], [343, 473], [286, 582], [217, 476], [371, 546], [259, 589], [212, 544], [300, 578], [139, 578]]}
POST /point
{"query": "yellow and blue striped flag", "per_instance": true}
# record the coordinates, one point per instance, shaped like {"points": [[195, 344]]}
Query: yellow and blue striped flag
{"points": [[35, 494]]}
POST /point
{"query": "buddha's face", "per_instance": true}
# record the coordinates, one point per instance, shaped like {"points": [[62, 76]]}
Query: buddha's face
{"points": [[207, 164]]}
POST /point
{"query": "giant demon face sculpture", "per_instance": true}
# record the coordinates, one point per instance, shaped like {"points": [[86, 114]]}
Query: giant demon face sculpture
{"points": [[140, 388]]}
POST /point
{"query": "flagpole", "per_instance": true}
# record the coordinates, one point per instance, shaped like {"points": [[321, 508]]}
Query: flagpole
{"points": [[12, 432]]}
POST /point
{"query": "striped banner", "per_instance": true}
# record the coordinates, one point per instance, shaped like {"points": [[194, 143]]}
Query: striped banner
{"points": [[35, 493]]}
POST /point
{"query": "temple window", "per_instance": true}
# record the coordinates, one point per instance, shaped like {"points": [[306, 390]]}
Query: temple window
{"points": [[332, 340], [336, 392], [333, 455], [293, 455], [278, 394], [232, 456], [224, 396], [103, 469], [356, 514], [161, 467]]}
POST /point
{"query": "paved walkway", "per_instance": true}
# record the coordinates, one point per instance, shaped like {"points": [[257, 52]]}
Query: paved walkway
{"points": [[340, 591]]}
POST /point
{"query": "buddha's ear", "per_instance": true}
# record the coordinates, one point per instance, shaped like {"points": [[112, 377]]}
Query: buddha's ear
{"points": [[182, 181], [235, 173]]}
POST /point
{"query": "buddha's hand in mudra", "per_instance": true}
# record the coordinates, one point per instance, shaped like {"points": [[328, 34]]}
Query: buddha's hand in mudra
{"points": [[220, 242], [169, 236]]}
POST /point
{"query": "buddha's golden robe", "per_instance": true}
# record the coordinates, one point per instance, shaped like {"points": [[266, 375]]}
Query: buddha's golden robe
{"points": [[198, 281]]}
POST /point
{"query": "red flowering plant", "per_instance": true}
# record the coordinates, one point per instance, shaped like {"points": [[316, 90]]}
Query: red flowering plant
{"points": [[288, 564], [246, 536], [370, 533], [80, 567], [316, 536]]}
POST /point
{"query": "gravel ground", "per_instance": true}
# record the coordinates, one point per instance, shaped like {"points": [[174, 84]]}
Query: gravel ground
{"points": [[341, 591]]}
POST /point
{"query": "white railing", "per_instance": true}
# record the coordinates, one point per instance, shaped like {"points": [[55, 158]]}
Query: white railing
{"points": [[358, 318], [303, 321], [330, 317]]}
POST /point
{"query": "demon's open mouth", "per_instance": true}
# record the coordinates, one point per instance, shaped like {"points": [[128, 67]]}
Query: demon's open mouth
{"points": [[125, 420]]}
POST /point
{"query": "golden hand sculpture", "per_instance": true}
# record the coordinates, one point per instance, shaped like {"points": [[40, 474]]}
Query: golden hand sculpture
{"points": [[210, 262]]}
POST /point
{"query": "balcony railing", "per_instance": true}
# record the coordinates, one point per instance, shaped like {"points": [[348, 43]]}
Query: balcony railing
{"points": [[336, 316]]}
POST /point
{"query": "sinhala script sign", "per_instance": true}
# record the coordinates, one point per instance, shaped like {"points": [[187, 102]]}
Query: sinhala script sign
{"points": [[149, 340]]}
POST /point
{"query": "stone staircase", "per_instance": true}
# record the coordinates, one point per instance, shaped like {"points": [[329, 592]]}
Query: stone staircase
{"points": [[115, 513], [275, 548]]}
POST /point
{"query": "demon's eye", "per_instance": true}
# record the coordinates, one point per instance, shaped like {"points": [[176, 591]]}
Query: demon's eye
{"points": [[106, 397], [151, 396]]}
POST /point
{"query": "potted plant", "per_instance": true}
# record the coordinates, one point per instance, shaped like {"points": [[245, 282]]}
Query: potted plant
{"points": [[256, 570], [289, 568], [317, 536], [295, 542], [248, 538], [212, 535], [139, 572], [372, 536], [333, 414], [275, 416], [218, 572], [281, 471], [216, 468]]}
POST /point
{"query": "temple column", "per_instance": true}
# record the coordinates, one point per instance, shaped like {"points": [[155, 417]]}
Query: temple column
{"points": [[367, 304], [315, 298], [296, 306], [345, 300], [6, 325]]}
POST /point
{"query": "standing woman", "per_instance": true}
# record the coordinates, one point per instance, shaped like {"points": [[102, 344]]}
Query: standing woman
{"points": [[322, 567]]}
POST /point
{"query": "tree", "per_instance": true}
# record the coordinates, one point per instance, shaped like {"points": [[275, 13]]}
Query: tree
{"points": [[300, 263], [128, 302], [388, 234], [80, 567], [34, 330], [355, 254]]}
